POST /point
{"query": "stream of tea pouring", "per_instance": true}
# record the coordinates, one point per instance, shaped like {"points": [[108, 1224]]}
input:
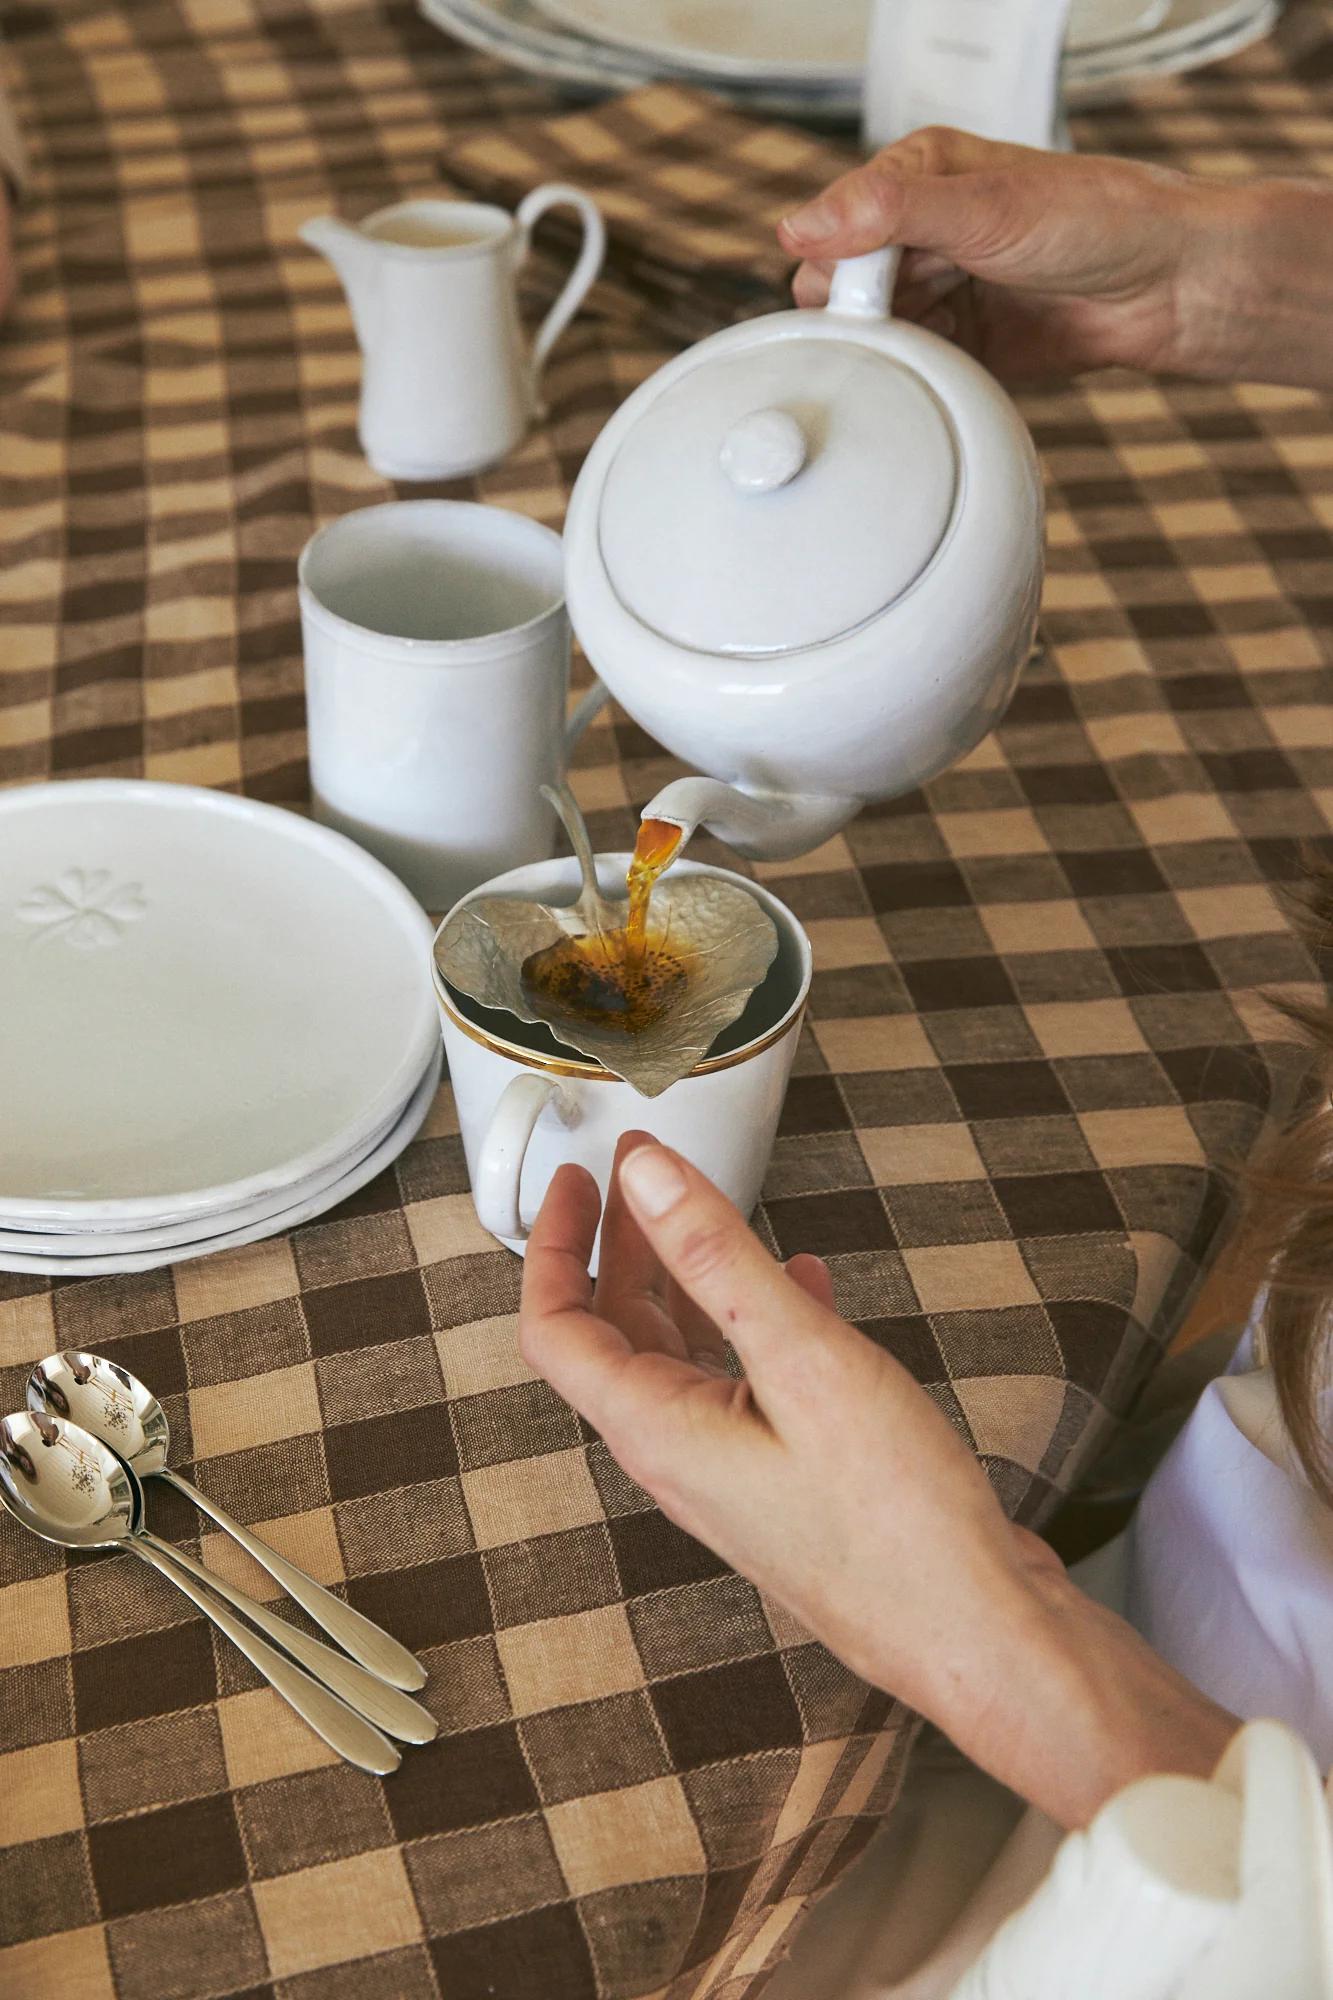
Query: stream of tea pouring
{"points": [[616, 975], [645, 984]]}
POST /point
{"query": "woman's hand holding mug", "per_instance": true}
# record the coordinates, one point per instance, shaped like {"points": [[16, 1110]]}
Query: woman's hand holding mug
{"points": [[828, 1477]]}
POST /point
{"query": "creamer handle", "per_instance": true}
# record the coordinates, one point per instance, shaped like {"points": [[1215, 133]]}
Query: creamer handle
{"points": [[586, 267]]}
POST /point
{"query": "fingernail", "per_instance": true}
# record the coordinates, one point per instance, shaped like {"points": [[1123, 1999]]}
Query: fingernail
{"points": [[652, 1180], [816, 220]]}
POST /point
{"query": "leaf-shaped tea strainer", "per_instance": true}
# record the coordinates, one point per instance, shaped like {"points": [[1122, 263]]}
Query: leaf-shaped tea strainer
{"points": [[709, 944]]}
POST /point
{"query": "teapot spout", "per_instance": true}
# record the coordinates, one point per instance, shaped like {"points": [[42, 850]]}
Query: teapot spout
{"points": [[355, 257], [762, 826]]}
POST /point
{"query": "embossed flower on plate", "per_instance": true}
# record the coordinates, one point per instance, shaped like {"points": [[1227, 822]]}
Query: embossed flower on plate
{"points": [[84, 906]]}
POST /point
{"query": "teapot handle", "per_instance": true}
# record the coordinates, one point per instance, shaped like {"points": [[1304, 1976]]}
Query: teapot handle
{"points": [[862, 287]]}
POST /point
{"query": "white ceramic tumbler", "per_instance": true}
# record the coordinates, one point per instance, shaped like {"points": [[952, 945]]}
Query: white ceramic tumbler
{"points": [[436, 672]]}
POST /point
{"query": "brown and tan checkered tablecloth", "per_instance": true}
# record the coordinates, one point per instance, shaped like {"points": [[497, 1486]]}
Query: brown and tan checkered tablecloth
{"points": [[1036, 1041]]}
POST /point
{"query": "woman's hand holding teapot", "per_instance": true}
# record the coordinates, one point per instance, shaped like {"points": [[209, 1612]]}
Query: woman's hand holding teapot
{"points": [[1043, 264]]}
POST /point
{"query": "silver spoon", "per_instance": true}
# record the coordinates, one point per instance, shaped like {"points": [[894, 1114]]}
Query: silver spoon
{"points": [[70, 1488], [116, 1407], [386, 1706]]}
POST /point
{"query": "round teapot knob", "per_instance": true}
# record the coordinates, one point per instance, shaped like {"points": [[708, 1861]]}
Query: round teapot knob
{"points": [[763, 451]]}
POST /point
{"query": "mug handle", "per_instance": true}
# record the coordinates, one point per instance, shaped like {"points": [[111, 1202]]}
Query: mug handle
{"points": [[589, 262], [590, 703], [499, 1172]]}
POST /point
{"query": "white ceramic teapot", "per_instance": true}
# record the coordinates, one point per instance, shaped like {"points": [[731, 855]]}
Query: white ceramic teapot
{"points": [[806, 556]]}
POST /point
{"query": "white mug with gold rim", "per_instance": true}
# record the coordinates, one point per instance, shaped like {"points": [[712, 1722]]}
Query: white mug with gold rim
{"points": [[526, 1105]]}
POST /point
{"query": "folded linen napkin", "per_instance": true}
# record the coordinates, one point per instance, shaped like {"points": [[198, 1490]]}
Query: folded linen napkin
{"points": [[691, 189]]}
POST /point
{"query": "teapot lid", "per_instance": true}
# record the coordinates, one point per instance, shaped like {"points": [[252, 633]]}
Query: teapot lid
{"points": [[777, 496]]}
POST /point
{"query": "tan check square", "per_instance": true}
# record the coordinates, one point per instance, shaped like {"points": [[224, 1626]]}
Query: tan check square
{"points": [[599, 1839], [344, 1910], [561, 1660], [533, 1496], [74, 1962]]}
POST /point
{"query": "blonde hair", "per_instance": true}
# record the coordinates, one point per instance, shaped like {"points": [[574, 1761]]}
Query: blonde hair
{"points": [[1288, 1227]]}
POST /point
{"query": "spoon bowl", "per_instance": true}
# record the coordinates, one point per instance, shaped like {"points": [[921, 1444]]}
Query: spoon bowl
{"points": [[104, 1399], [64, 1484]]}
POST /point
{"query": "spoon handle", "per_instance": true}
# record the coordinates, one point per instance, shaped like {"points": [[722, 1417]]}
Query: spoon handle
{"points": [[356, 1635], [387, 1707], [341, 1727]]}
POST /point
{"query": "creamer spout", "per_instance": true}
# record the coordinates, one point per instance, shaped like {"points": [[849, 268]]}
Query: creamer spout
{"points": [[356, 258]]}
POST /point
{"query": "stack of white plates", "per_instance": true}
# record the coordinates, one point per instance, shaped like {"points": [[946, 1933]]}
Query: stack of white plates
{"points": [[786, 58], [218, 1022]]}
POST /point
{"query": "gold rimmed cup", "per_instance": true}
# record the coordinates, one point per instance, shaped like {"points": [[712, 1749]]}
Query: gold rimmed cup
{"points": [[527, 1103]]}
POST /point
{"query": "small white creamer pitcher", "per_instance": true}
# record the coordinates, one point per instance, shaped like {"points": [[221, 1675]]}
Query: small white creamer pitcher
{"points": [[448, 384]]}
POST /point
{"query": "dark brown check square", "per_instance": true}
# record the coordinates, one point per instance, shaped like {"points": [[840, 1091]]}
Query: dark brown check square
{"points": [[640, 1933], [468, 1779], [652, 1553], [1007, 1090], [728, 1711], [400, 1449], [830, 1224], [541, 1956], [427, 1605], [1071, 1204], [813, 1104], [175, 1855], [365, 1312]]}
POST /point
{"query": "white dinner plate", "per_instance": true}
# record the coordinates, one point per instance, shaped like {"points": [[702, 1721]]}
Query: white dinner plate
{"points": [[115, 1240], [514, 33], [1098, 24], [205, 1000], [373, 1163], [735, 40], [1194, 33], [1190, 34]]}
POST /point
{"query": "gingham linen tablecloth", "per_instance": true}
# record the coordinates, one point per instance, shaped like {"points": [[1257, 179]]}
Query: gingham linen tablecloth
{"points": [[1035, 1042]]}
